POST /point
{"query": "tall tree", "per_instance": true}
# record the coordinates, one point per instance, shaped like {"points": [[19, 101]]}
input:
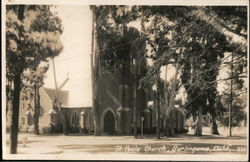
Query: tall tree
{"points": [[202, 65], [166, 44], [32, 35], [202, 49], [214, 45]]}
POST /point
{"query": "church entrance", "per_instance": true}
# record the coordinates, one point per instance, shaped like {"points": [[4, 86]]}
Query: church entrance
{"points": [[109, 123]]}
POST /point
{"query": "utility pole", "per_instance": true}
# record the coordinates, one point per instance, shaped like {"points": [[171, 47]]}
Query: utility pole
{"points": [[231, 98], [142, 119], [158, 113], [93, 71], [54, 72], [157, 106], [57, 102], [135, 93], [166, 101]]}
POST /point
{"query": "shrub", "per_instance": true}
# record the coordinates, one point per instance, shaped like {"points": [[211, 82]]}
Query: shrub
{"points": [[45, 130], [31, 129], [49, 129], [23, 129], [7, 129]]}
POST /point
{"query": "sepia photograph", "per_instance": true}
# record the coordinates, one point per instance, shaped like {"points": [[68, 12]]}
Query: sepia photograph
{"points": [[125, 81]]}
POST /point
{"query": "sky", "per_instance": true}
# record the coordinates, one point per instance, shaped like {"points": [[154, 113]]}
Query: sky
{"points": [[75, 57]]}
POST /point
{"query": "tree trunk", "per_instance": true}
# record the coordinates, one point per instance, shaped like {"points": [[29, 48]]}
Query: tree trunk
{"points": [[57, 104], [166, 102], [62, 119], [97, 95], [167, 128], [94, 58], [171, 127], [135, 103], [92, 65], [214, 127], [16, 97], [164, 126], [57, 108], [8, 97], [37, 110], [96, 106], [198, 128], [15, 114], [171, 103], [65, 130]]}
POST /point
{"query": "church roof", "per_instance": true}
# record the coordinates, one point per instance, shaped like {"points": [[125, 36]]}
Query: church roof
{"points": [[63, 96]]}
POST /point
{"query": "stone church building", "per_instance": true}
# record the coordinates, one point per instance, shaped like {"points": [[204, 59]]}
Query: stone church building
{"points": [[120, 102]]}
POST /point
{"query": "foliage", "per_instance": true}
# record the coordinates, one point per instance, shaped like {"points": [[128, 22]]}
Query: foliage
{"points": [[238, 116], [113, 37], [235, 17], [32, 40], [35, 77], [239, 105]]}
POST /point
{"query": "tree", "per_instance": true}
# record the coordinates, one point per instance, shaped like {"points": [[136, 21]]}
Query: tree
{"points": [[233, 21], [220, 45], [238, 109], [238, 97], [172, 38], [230, 20], [167, 45], [165, 95], [33, 35], [201, 49]]}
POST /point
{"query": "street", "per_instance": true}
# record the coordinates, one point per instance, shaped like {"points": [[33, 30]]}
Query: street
{"points": [[180, 144]]}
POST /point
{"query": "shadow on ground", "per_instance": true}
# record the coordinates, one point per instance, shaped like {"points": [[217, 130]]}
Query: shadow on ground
{"points": [[27, 142], [182, 136]]}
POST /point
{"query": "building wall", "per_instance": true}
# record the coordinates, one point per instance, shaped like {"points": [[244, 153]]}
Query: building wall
{"points": [[26, 115], [79, 119], [23, 108], [116, 94], [113, 99], [46, 104], [83, 121]]}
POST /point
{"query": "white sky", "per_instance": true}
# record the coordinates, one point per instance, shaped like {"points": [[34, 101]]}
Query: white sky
{"points": [[75, 58]]}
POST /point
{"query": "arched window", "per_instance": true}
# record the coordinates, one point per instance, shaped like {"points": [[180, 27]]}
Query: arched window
{"points": [[74, 119]]}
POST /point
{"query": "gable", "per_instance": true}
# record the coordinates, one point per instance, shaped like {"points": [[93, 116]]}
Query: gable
{"points": [[63, 96]]}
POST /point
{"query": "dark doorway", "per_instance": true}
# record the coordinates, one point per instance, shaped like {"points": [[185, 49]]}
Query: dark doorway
{"points": [[109, 123]]}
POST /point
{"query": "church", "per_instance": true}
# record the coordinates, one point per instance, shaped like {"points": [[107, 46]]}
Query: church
{"points": [[119, 106], [120, 103]]}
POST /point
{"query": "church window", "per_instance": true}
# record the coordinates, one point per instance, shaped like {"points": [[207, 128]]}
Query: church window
{"points": [[75, 119]]}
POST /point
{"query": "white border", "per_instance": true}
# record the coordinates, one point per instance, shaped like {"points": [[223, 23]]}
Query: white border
{"points": [[155, 157], [132, 2], [3, 96]]}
